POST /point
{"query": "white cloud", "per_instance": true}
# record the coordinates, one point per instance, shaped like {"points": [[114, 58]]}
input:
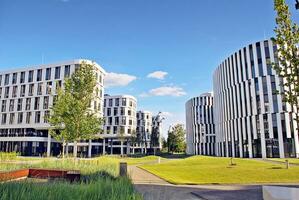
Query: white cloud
{"points": [[158, 75], [143, 94], [167, 91], [166, 114], [115, 80]]}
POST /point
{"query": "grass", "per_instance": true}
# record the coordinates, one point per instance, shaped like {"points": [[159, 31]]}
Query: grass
{"points": [[212, 170], [141, 160], [291, 160], [99, 180]]}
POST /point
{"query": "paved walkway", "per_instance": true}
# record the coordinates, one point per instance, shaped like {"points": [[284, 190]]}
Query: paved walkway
{"points": [[140, 176]]}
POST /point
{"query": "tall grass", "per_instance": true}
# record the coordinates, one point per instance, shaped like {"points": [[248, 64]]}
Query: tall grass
{"points": [[6, 156], [99, 180]]}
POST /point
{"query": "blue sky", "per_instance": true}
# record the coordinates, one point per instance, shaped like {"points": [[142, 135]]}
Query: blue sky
{"points": [[130, 39]]}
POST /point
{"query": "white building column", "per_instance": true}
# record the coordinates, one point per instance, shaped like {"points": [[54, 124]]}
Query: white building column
{"points": [[104, 146], [49, 146], [89, 148]]}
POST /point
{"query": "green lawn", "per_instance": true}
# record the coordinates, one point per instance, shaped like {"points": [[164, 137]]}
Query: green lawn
{"points": [[142, 160], [213, 170], [291, 160]]}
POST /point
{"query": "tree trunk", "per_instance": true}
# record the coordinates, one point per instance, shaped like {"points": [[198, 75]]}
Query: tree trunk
{"points": [[75, 149], [63, 148]]}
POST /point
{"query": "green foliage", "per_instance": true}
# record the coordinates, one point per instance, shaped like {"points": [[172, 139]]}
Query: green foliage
{"points": [[176, 139], [71, 117], [8, 156], [287, 40], [99, 181]]}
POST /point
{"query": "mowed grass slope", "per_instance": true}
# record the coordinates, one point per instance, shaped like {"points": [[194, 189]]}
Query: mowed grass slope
{"points": [[213, 170]]}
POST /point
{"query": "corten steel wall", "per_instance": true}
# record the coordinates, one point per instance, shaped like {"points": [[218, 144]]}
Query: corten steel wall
{"points": [[250, 117]]}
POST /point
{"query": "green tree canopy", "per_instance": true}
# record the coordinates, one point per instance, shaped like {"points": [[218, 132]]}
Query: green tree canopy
{"points": [[176, 139], [287, 40], [72, 118]]}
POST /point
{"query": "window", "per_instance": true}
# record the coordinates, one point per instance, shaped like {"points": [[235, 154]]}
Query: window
{"points": [[114, 129], [109, 120], [116, 121], [36, 103], [37, 117], [39, 75], [3, 120], [20, 118], [122, 111], [58, 85], [123, 120], [14, 91], [28, 104], [117, 102], [22, 78], [124, 102], [0, 80], [129, 112], [40, 89], [49, 87], [31, 90], [11, 118], [115, 111], [20, 102], [48, 73], [6, 81], [3, 108], [11, 105], [108, 129], [22, 92], [30, 76], [6, 92], [46, 103], [108, 111], [57, 72], [28, 117], [46, 116], [67, 70], [14, 78], [110, 102], [0, 92]]}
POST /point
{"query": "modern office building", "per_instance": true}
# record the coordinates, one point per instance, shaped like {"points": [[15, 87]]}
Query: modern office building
{"points": [[251, 119], [26, 96], [143, 130], [200, 128], [156, 136], [120, 122]]}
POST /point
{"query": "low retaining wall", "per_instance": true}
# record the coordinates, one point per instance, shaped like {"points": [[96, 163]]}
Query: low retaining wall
{"points": [[71, 175]]}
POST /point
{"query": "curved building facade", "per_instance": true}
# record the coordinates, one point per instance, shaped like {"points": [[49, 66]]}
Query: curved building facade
{"points": [[200, 129], [251, 119]]}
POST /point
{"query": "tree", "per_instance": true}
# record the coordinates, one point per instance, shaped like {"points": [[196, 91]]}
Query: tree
{"points": [[71, 117], [176, 139], [164, 144], [121, 135], [133, 139], [287, 40]]}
